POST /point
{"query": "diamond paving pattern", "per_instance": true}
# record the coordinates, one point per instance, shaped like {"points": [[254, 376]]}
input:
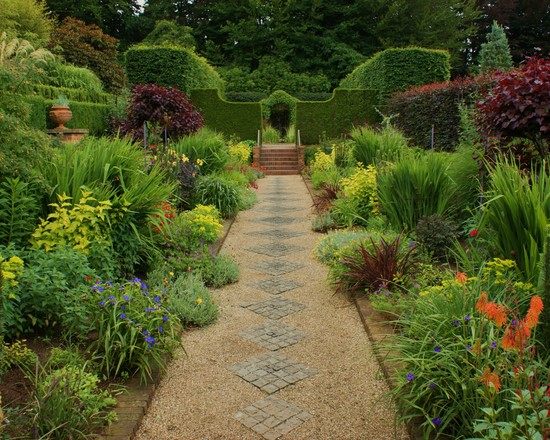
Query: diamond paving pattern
{"points": [[272, 372], [277, 199], [277, 220], [272, 417], [273, 335], [275, 249], [277, 208], [276, 286], [276, 233], [275, 308], [277, 267]]}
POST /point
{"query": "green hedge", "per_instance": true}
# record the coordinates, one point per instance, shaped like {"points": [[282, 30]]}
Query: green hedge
{"points": [[91, 116], [337, 116], [397, 69], [241, 119], [171, 67], [52, 92], [276, 98], [417, 109]]}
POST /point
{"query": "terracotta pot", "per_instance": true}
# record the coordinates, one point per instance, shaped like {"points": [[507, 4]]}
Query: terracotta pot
{"points": [[60, 115]]}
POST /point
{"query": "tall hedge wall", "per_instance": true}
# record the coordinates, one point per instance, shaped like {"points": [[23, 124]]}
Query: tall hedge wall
{"points": [[91, 116], [276, 98], [337, 116], [437, 104], [241, 119], [397, 69], [171, 67]]}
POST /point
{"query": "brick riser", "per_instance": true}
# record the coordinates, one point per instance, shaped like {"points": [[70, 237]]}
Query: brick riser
{"points": [[279, 161]]}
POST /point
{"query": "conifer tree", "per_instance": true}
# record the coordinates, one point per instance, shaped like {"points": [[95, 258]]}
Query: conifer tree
{"points": [[495, 53]]}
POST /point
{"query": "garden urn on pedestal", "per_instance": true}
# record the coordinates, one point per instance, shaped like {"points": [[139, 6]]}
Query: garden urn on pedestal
{"points": [[60, 114]]}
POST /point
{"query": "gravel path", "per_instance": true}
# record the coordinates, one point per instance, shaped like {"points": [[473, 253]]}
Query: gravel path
{"points": [[310, 374]]}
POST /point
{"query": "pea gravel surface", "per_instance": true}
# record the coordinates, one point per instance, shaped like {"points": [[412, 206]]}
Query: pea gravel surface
{"points": [[200, 395]]}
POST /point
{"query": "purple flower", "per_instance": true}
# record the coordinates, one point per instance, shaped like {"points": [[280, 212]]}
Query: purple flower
{"points": [[468, 347], [98, 288], [149, 309], [122, 316], [432, 385], [514, 323], [410, 377], [123, 307], [456, 323], [136, 280], [102, 303], [150, 341], [157, 299], [467, 318], [145, 333], [161, 329], [126, 298], [494, 344], [165, 318], [437, 349], [437, 421]]}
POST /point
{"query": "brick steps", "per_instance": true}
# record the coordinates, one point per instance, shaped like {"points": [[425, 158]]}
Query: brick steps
{"points": [[280, 161]]}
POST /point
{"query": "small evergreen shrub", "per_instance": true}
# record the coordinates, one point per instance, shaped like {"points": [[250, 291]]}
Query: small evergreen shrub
{"points": [[495, 53], [191, 301], [436, 234]]}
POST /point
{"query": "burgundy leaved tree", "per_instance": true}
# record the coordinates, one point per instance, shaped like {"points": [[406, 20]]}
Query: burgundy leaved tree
{"points": [[518, 106], [163, 107]]}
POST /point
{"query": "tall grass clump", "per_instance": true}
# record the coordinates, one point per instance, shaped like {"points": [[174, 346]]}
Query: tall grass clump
{"points": [[517, 213], [373, 147], [420, 186], [205, 146], [270, 135]]}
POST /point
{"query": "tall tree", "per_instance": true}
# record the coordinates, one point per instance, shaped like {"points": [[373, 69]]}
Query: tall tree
{"points": [[495, 53]]}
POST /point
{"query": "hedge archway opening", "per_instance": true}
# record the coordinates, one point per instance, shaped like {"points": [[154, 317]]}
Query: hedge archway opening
{"points": [[279, 117]]}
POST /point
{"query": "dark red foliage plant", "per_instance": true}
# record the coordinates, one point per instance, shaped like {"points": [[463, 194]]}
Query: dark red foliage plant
{"points": [[162, 107], [370, 270], [325, 198], [518, 106]]}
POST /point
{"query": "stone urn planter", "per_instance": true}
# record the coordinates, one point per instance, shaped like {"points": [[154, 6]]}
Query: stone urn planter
{"points": [[60, 114]]}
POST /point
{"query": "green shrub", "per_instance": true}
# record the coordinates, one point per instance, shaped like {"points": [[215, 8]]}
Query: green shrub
{"points": [[495, 53], [375, 147], [437, 105], [337, 116], [276, 99], [394, 70], [436, 234], [66, 357], [18, 212], [219, 192], [270, 135], [135, 330], [517, 214], [207, 146], [218, 271], [233, 119], [68, 76], [420, 186], [68, 403], [191, 301], [53, 92], [323, 223], [330, 248], [171, 67]]}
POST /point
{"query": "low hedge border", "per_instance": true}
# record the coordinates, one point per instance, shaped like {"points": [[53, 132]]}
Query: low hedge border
{"points": [[240, 119], [337, 116]]}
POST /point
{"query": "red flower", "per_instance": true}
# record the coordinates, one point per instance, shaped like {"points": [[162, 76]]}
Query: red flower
{"points": [[473, 233]]}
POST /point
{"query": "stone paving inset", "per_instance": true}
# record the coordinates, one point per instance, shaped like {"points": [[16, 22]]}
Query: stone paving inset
{"points": [[280, 234], [273, 335], [277, 220], [272, 372], [276, 285], [275, 249], [277, 267], [275, 308], [272, 417]]}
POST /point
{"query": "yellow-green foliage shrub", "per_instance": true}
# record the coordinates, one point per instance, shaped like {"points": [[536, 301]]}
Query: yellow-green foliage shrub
{"points": [[77, 226], [11, 269], [359, 199], [323, 170], [239, 153]]}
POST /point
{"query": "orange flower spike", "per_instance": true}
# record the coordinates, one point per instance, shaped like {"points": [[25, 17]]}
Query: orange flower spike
{"points": [[496, 313], [482, 302], [535, 308], [461, 277], [489, 378]]}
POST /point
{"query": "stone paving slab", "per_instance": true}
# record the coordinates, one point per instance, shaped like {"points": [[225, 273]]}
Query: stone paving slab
{"points": [[275, 199], [275, 249], [272, 417], [277, 266], [281, 234], [277, 220], [278, 208], [273, 335], [275, 308], [277, 285], [272, 372]]}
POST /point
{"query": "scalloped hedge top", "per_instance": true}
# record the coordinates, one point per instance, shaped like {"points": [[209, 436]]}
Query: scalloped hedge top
{"points": [[171, 67], [397, 69]]}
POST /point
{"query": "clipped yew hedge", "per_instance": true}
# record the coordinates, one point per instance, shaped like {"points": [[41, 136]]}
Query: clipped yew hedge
{"points": [[171, 67], [279, 97], [88, 115], [240, 119], [337, 116], [52, 92], [418, 108], [397, 69]]}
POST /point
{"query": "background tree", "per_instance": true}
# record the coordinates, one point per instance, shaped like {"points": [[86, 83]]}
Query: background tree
{"points": [[495, 53], [88, 46], [168, 32], [27, 19]]}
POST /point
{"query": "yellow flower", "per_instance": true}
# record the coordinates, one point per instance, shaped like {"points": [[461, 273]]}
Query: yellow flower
{"points": [[199, 162], [171, 274], [184, 158], [199, 301]]}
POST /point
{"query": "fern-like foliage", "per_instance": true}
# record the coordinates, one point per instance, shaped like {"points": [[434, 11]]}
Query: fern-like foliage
{"points": [[18, 212]]}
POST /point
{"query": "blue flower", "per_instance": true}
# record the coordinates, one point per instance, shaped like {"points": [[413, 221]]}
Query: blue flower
{"points": [[98, 288], [143, 286], [437, 421], [145, 333], [111, 298], [165, 318], [136, 280], [149, 309], [494, 344], [126, 298], [157, 299], [437, 349], [161, 329], [432, 385], [123, 307], [410, 377], [150, 341], [468, 347], [122, 316], [102, 303], [467, 318]]}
